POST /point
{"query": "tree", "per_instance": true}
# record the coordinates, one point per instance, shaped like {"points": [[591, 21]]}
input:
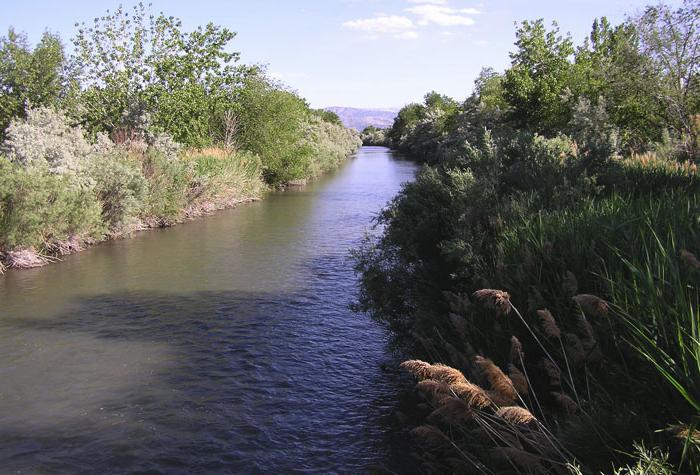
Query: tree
{"points": [[140, 62], [30, 78], [610, 69], [535, 86], [671, 40]]}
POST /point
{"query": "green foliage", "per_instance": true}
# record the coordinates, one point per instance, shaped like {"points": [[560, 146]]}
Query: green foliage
{"points": [[371, 135], [120, 188], [168, 187], [45, 138], [272, 128], [328, 116], [30, 78], [38, 208], [536, 84], [136, 60], [527, 190]]}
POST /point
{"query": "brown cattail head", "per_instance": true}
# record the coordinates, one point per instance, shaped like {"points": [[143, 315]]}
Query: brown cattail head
{"points": [[548, 324], [497, 300], [419, 369], [446, 374], [472, 394], [519, 380], [515, 415], [684, 432], [567, 404], [552, 371], [592, 305], [432, 389], [499, 382], [689, 259], [430, 435], [516, 350], [453, 411]]}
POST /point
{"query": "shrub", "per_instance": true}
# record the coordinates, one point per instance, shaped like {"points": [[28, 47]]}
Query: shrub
{"points": [[38, 208], [223, 177], [120, 188], [46, 138], [168, 187]]}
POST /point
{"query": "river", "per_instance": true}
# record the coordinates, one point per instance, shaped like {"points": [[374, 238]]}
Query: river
{"points": [[225, 344]]}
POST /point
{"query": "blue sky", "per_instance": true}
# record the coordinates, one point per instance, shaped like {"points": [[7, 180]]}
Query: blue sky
{"points": [[357, 53]]}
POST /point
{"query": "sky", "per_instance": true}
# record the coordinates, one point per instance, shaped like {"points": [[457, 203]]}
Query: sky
{"points": [[351, 53]]}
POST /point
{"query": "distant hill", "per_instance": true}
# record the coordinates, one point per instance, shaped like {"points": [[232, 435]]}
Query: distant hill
{"points": [[358, 119]]}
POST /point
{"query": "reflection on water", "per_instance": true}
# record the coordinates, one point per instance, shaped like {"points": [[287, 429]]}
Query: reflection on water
{"points": [[224, 345]]}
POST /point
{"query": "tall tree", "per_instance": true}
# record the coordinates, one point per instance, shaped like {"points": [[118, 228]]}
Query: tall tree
{"points": [[670, 38], [536, 84], [30, 78]]}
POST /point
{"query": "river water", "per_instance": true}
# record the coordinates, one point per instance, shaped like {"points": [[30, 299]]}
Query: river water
{"points": [[222, 345]]}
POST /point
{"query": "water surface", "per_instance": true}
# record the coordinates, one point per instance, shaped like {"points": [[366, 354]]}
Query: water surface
{"points": [[221, 345]]}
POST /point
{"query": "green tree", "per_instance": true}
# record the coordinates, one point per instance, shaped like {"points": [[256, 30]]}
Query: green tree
{"points": [[30, 78], [536, 84], [272, 121], [610, 67], [669, 38], [140, 62]]}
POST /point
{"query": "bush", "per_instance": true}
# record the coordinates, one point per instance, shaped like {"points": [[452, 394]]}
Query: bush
{"points": [[38, 208], [223, 177], [120, 188], [168, 187], [45, 138]]}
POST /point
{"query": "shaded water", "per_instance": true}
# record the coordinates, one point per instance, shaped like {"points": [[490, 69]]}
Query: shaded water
{"points": [[222, 345]]}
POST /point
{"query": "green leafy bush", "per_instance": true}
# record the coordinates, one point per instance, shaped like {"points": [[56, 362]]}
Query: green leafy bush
{"points": [[38, 207]]}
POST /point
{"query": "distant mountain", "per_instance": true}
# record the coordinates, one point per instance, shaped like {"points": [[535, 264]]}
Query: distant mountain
{"points": [[358, 119]]}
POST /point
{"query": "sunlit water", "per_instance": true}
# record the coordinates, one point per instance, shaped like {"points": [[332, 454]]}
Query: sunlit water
{"points": [[222, 345]]}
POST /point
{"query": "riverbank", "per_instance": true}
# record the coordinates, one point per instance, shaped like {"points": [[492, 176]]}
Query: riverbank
{"points": [[94, 192]]}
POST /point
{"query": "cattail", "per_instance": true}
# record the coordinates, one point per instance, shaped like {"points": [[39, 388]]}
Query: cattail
{"points": [[592, 305], [549, 325], [567, 404], [689, 259], [497, 300], [429, 434], [419, 369], [515, 415], [446, 374], [519, 380], [432, 389], [527, 462], [569, 284], [500, 383], [574, 349], [684, 432], [474, 395], [552, 371], [516, 350], [459, 323], [453, 410]]}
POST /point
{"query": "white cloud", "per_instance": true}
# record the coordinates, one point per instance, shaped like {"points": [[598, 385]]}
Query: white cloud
{"points": [[382, 24], [441, 15], [407, 35]]}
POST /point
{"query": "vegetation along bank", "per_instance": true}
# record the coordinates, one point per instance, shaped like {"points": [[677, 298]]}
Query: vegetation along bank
{"points": [[543, 267], [144, 125]]}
